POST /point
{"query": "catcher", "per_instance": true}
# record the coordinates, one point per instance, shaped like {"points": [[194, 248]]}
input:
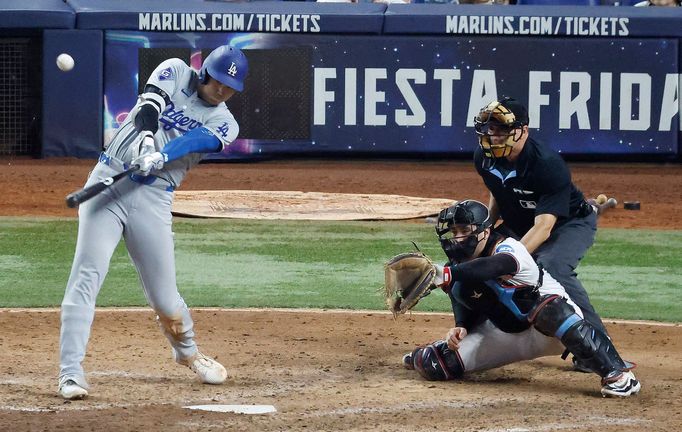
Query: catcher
{"points": [[507, 309]]}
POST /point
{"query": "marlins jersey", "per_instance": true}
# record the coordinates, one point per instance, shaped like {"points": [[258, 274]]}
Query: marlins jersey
{"points": [[186, 111], [507, 299]]}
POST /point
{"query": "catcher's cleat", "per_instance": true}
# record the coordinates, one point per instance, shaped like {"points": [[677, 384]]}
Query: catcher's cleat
{"points": [[208, 370], [407, 361], [70, 390], [623, 385]]}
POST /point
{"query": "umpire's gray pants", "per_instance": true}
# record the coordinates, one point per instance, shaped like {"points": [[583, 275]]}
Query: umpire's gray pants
{"points": [[560, 255]]}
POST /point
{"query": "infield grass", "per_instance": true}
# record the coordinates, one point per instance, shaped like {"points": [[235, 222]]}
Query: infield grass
{"points": [[630, 274]]}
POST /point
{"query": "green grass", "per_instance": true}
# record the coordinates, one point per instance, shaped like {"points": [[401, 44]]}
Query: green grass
{"points": [[236, 263]]}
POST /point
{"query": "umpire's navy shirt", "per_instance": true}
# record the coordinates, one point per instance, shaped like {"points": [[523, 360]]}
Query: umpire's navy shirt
{"points": [[538, 182]]}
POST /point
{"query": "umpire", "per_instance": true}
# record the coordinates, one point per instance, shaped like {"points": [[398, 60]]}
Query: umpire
{"points": [[531, 190]]}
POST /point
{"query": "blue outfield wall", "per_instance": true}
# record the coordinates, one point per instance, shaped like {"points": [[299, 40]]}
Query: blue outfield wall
{"points": [[36, 14], [72, 101], [369, 79]]}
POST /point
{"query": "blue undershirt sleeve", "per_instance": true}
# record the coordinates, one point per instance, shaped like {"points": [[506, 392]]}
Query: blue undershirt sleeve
{"points": [[199, 140]]}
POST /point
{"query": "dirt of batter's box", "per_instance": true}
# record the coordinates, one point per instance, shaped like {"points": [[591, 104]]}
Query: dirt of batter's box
{"points": [[322, 371]]}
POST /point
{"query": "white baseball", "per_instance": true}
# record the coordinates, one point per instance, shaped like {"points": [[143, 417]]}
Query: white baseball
{"points": [[65, 62]]}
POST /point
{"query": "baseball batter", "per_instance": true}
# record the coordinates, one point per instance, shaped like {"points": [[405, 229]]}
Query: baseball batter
{"points": [[178, 119], [507, 309]]}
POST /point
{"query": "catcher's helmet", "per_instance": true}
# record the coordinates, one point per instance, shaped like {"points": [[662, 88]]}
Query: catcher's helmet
{"points": [[469, 213], [228, 65], [499, 118]]}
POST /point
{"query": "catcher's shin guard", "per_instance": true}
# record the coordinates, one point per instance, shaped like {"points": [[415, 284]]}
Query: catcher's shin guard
{"points": [[436, 362], [553, 316], [594, 349]]}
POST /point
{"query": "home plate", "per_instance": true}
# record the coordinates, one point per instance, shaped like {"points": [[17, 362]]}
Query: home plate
{"points": [[239, 409]]}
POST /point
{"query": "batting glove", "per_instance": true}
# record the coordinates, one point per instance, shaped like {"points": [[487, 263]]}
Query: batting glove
{"points": [[143, 145], [149, 162]]}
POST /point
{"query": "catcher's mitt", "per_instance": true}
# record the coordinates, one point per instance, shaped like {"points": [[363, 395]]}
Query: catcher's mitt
{"points": [[409, 278]]}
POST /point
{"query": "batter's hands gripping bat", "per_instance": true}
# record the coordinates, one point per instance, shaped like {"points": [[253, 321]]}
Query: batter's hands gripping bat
{"points": [[82, 195]]}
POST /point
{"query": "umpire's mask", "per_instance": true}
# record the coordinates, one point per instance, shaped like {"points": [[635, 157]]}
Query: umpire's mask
{"points": [[499, 119], [460, 246]]}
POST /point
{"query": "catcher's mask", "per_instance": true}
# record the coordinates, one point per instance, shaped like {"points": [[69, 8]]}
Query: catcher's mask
{"points": [[499, 119], [474, 217]]}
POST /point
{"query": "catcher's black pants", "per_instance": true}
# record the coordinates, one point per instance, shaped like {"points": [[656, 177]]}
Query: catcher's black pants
{"points": [[560, 255]]}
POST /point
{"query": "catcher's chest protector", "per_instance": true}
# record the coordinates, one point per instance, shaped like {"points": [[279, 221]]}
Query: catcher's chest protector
{"points": [[504, 307]]}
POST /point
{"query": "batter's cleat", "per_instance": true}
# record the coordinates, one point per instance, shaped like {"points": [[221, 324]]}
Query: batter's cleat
{"points": [[70, 390], [208, 370], [622, 385], [407, 361]]}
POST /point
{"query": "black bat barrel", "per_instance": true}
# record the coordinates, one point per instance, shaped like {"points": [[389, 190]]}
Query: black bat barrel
{"points": [[82, 195]]}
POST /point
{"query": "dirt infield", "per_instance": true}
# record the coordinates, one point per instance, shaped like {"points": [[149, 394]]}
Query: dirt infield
{"points": [[324, 371], [38, 187], [328, 370]]}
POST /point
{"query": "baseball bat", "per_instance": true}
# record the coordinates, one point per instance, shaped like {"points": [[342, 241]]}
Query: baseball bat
{"points": [[610, 203], [602, 203], [80, 196]]}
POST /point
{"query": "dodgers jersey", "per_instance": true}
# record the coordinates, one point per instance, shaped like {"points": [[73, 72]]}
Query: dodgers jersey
{"points": [[186, 111]]}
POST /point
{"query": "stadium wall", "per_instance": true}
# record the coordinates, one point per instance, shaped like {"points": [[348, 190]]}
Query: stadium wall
{"points": [[367, 79]]}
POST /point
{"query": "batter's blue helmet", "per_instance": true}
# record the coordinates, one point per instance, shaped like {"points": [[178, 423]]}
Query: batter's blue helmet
{"points": [[227, 65]]}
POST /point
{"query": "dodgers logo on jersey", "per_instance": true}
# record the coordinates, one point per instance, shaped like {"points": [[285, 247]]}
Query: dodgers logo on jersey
{"points": [[504, 248], [232, 70], [223, 129], [166, 74]]}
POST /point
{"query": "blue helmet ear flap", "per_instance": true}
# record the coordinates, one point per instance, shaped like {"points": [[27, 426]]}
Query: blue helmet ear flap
{"points": [[203, 76]]}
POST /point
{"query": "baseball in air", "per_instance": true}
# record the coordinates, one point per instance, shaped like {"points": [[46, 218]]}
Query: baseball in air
{"points": [[65, 62]]}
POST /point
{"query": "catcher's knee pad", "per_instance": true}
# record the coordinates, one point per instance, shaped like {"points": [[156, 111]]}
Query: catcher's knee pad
{"points": [[552, 315], [436, 362]]}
